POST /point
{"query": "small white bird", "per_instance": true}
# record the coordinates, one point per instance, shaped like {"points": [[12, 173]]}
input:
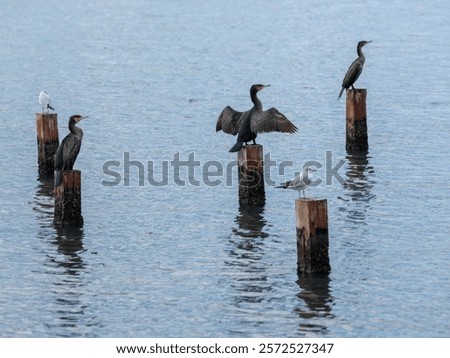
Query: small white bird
{"points": [[300, 181], [45, 101]]}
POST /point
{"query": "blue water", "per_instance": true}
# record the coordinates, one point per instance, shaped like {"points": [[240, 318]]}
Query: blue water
{"points": [[184, 260]]}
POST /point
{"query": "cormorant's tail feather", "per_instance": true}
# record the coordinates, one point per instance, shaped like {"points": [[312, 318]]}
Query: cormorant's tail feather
{"points": [[340, 93], [237, 147], [58, 178], [281, 186]]}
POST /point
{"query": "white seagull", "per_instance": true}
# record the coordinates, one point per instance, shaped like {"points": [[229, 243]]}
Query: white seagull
{"points": [[45, 101], [300, 181]]}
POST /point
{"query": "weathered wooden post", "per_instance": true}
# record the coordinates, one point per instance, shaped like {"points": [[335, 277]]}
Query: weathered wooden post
{"points": [[47, 141], [356, 127], [251, 175], [312, 236], [68, 200]]}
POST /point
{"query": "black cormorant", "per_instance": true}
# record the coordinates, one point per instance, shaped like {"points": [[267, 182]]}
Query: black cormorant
{"points": [[248, 124], [68, 149], [355, 68]]}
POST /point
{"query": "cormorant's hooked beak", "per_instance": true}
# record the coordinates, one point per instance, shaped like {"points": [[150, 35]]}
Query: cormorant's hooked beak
{"points": [[83, 117]]}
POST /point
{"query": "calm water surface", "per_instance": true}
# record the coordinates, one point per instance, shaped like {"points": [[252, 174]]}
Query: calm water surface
{"points": [[185, 260]]}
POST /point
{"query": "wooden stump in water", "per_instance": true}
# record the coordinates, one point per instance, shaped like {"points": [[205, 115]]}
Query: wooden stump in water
{"points": [[47, 141], [312, 236], [68, 200], [251, 176], [356, 124]]}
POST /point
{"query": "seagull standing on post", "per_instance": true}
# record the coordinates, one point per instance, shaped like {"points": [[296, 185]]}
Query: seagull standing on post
{"points": [[45, 101], [300, 181]]}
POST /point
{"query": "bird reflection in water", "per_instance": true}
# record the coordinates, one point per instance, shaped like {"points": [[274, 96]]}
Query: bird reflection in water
{"points": [[315, 303]]}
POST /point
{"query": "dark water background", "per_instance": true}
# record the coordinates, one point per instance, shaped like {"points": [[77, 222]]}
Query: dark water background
{"points": [[185, 260]]}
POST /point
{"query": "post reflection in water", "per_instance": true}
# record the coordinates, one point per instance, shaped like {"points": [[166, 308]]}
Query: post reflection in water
{"points": [[69, 241], [63, 268], [250, 222], [316, 303], [68, 283], [44, 204], [358, 187], [246, 252]]}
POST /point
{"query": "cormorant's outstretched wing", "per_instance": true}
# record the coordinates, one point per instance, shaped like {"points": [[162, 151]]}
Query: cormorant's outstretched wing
{"points": [[228, 121], [271, 121]]}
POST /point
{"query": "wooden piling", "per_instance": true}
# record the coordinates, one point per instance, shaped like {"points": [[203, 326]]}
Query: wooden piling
{"points": [[356, 127], [47, 141], [68, 200], [312, 236], [251, 175]]}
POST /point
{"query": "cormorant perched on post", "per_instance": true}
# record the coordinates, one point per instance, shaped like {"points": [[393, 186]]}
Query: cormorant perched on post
{"points": [[68, 149], [45, 102], [355, 68], [248, 124]]}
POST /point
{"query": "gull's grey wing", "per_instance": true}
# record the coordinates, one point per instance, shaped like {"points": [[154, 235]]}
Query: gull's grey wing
{"points": [[271, 120]]}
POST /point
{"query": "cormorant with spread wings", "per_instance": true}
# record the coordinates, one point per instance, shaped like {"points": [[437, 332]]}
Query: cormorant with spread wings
{"points": [[248, 124]]}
